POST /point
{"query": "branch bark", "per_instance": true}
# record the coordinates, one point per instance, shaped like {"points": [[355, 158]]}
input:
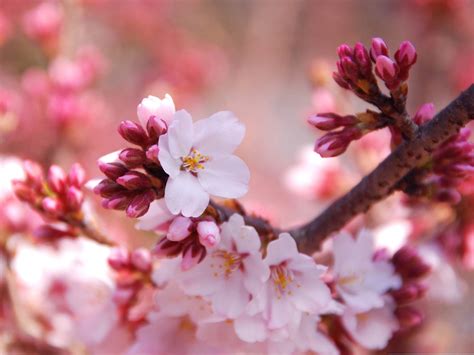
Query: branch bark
{"points": [[381, 182]]}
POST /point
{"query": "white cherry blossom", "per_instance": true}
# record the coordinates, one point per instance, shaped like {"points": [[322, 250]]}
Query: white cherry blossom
{"points": [[199, 161], [294, 285], [360, 280], [231, 273]]}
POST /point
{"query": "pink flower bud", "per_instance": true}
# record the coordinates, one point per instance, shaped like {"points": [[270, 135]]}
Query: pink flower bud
{"points": [[344, 51], [179, 229], [52, 206], [424, 114], [336, 143], [140, 204], [408, 317], [108, 188], [378, 48], [386, 69], [23, 191], [406, 54], [141, 259], [133, 133], [193, 254], [133, 158], [152, 106], [362, 58], [409, 293], [166, 247], [74, 199], [152, 153], [123, 295], [329, 121], [134, 180], [118, 201], [77, 175], [44, 21], [34, 173], [56, 178], [156, 127], [350, 69], [409, 264], [451, 196], [338, 78], [48, 232], [209, 233], [119, 258], [112, 170]]}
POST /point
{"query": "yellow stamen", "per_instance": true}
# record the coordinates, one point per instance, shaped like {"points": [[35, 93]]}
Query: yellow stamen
{"points": [[194, 161]]}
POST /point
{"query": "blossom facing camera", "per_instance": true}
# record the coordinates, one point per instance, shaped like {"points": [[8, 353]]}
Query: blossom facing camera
{"points": [[199, 161]]}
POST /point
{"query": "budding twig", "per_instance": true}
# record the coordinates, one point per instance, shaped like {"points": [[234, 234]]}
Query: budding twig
{"points": [[381, 182]]}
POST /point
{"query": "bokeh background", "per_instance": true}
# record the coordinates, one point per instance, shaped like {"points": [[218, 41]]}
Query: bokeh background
{"points": [[269, 61]]}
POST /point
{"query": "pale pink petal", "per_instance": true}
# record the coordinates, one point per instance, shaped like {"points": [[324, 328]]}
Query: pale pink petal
{"points": [[226, 176], [284, 248], [157, 214], [256, 273], [230, 229], [247, 241], [201, 280], [180, 133], [250, 329], [219, 134], [230, 300], [170, 165], [313, 296], [185, 195], [280, 312]]}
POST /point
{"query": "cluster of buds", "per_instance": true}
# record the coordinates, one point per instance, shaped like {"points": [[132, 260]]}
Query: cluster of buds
{"points": [[189, 237], [134, 176], [353, 127], [132, 278], [354, 67], [412, 268], [57, 197]]}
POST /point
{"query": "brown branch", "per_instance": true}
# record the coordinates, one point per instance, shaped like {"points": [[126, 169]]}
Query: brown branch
{"points": [[380, 183]]}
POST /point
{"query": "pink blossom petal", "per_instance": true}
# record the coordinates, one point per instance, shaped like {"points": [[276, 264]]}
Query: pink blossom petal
{"points": [[250, 329], [170, 165], [180, 134], [226, 176], [284, 248], [185, 195]]}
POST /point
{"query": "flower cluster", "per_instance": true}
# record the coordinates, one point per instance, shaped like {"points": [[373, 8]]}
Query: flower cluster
{"points": [[356, 67]]}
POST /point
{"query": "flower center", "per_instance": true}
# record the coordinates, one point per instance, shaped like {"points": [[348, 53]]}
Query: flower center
{"points": [[349, 280], [282, 279], [228, 262], [194, 161]]}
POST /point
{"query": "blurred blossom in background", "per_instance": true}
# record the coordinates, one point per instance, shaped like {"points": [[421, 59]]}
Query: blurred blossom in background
{"points": [[72, 70]]}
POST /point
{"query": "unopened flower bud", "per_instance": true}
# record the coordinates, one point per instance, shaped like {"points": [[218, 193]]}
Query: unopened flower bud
{"points": [[424, 114], [118, 201], [378, 48], [123, 295], [386, 69], [152, 153], [209, 233], [23, 191], [113, 170], [74, 198], [409, 293], [34, 172], [179, 229], [47, 232], [193, 254], [56, 179], [153, 106], [409, 264], [52, 206], [77, 175], [166, 247], [156, 127], [406, 54], [408, 317], [141, 259], [338, 78], [362, 58], [108, 188], [133, 158], [140, 204], [134, 180], [344, 51], [119, 258], [451, 196], [336, 143], [329, 121], [350, 69], [133, 133]]}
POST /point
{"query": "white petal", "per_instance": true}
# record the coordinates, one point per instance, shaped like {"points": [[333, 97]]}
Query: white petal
{"points": [[225, 176], [185, 195], [200, 280], [282, 249], [250, 329], [157, 214], [167, 109], [256, 273], [230, 300], [219, 134], [170, 165], [280, 313], [247, 240], [180, 133]]}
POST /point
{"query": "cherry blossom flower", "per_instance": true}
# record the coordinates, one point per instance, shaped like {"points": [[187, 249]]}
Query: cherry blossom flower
{"points": [[152, 106], [294, 285], [360, 280], [198, 159], [232, 273], [372, 329]]}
